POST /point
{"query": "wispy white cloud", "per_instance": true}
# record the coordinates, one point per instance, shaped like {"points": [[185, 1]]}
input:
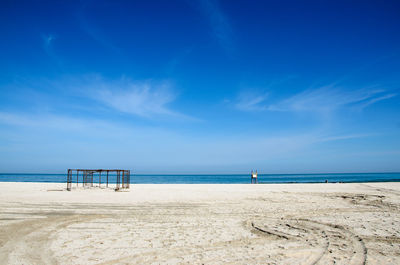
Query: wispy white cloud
{"points": [[324, 99], [340, 137], [251, 101], [219, 23], [377, 99], [144, 98], [48, 39], [139, 98], [330, 98], [93, 94], [92, 30], [258, 99]]}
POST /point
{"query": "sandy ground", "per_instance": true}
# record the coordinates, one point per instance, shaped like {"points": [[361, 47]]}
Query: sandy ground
{"points": [[41, 223]]}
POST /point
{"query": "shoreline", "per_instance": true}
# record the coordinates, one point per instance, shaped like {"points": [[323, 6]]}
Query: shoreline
{"points": [[342, 223], [215, 178], [220, 183]]}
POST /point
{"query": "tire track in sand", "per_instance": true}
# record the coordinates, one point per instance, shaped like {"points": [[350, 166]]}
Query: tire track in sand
{"points": [[328, 243], [28, 242]]}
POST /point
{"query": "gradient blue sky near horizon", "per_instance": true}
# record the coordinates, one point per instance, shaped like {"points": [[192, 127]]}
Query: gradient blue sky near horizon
{"points": [[200, 86]]}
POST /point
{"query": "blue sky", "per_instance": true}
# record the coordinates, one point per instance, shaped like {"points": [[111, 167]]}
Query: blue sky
{"points": [[200, 86]]}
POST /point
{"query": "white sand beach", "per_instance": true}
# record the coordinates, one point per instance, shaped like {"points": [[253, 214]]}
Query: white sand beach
{"points": [[42, 223]]}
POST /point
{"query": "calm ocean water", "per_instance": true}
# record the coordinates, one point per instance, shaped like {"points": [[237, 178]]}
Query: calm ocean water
{"points": [[217, 178]]}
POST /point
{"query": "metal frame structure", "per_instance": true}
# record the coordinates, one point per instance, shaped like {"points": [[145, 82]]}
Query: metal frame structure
{"points": [[123, 177]]}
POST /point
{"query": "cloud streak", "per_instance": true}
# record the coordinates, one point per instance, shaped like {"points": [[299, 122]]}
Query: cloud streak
{"points": [[92, 30], [48, 39], [377, 99], [251, 101], [93, 94], [144, 99], [329, 98], [218, 22], [325, 99]]}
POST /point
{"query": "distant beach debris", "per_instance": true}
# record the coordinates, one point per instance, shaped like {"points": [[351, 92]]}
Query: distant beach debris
{"points": [[88, 176], [254, 178]]}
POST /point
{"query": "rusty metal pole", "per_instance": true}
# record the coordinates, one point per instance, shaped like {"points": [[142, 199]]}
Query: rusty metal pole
{"points": [[119, 178], [117, 188], [69, 180], [83, 178], [107, 178], [123, 179], [116, 185]]}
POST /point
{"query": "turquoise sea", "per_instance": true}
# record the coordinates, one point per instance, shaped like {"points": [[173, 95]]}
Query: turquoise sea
{"points": [[215, 178]]}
